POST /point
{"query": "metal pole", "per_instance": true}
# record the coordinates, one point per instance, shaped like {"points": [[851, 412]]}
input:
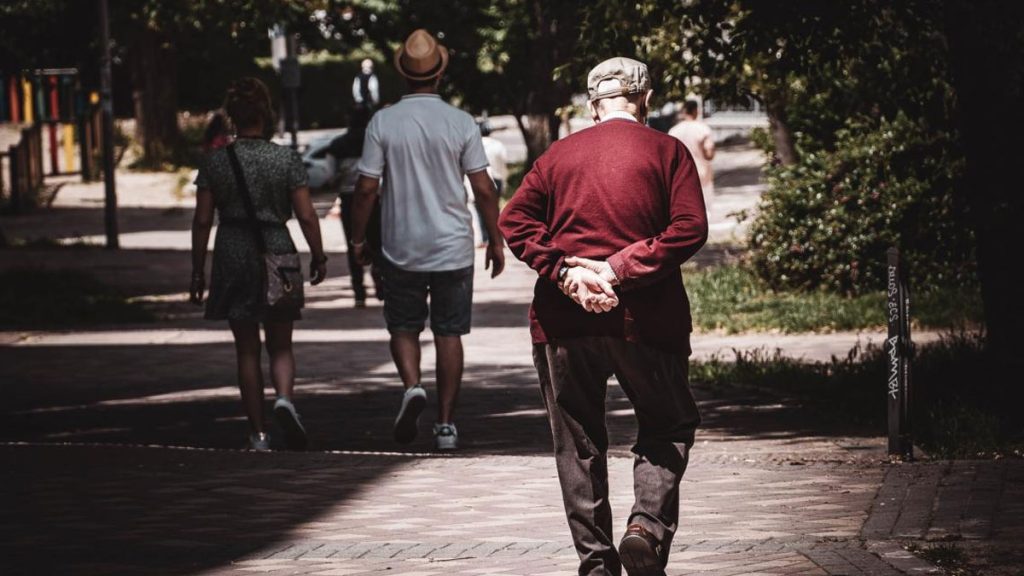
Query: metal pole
{"points": [[54, 119], [898, 351], [107, 105], [293, 89]]}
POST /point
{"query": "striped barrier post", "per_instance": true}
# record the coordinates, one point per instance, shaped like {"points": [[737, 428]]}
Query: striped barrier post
{"points": [[12, 97]]}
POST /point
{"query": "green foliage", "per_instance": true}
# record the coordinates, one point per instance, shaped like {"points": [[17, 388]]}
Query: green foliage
{"points": [[826, 222], [840, 81], [734, 299], [814, 64], [507, 56], [325, 96], [36, 298], [46, 33]]}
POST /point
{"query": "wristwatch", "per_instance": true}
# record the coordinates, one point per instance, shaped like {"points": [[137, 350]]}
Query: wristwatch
{"points": [[562, 272]]}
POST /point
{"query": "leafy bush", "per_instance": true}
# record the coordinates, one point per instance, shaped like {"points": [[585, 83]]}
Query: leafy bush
{"points": [[826, 222]]}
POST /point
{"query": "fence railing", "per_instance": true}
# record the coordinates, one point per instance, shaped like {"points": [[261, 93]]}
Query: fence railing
{"points": [[25, 165]]}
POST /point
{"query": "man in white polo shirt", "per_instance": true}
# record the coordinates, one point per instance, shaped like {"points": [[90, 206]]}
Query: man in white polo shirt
{"points": [[421, 147]]}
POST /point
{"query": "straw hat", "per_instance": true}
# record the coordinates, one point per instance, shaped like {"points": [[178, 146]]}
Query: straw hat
{"points": [[421, 57]]}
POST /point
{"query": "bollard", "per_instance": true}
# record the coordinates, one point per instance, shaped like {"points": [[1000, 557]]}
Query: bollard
{"points": [[12, 97], [3, 98], [898, 351], [26, 101], [68, 140], [54, 119], [15, 157]]}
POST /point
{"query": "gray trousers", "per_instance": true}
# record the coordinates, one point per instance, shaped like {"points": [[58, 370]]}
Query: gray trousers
{"points": [[574, 379]]}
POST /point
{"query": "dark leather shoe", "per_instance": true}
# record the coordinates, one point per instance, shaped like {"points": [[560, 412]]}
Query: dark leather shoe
{"points": [[640, 553]]}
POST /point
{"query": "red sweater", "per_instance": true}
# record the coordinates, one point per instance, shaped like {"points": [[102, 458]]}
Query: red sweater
{"points": [[620, 192]]}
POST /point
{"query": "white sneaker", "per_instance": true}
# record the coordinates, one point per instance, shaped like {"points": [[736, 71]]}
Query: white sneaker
{"points": [[259, 442], [406, 424], [446, 437], [288, 419]]}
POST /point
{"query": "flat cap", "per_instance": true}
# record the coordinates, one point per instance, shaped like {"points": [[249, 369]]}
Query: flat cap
{"points": [[618, 76]]}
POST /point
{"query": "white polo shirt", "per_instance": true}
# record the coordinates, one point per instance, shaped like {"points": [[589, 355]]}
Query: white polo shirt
{"points": [[422, 147]]}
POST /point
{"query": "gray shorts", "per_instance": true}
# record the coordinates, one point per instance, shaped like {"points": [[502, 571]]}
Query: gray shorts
{"points": [[405, 300]]}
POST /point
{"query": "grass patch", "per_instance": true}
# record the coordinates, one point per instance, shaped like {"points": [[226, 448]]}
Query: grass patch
{"points": [[851, 388], [732, 298], [32, 298], [962, 407], [950, 557]]}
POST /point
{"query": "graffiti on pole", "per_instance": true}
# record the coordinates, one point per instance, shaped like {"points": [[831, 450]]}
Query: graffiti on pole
{"points": [[898, 349]]}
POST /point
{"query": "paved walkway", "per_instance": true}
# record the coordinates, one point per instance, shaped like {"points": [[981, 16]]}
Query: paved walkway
{"points": [[120, 454]]}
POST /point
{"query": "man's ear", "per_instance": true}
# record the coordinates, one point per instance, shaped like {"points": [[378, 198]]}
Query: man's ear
{"points": [[647, 99], [593, 110]]}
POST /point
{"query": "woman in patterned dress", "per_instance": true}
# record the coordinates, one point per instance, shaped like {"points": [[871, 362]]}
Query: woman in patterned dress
{"points": [[276, 180]]}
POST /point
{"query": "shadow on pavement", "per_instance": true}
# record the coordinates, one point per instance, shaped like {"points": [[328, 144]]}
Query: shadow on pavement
{"points": [[104, 511], [347, 392]]}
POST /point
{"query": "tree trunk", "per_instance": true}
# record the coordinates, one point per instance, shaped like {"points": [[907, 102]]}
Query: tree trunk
{"points": [[155, 94], [537, 133], [986, 54], [785, 149], [556, 26]]}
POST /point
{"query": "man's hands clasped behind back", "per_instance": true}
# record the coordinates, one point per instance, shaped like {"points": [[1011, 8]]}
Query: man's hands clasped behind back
{"points": [[590, 284]]}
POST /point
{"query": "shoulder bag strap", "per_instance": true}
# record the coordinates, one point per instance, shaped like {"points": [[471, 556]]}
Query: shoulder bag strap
{"points": [[243, 191]]}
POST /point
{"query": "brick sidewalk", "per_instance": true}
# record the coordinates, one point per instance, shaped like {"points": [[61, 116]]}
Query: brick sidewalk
{"points": [[771, 489], [105, 510], [131, 510]]}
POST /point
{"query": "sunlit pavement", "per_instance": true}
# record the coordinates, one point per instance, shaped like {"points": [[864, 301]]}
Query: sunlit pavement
{"points": [[121, 445]]}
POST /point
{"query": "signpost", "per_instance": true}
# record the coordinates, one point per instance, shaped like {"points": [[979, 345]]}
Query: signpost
{"points": [[898, 351], [107, 107], [284, 48]]}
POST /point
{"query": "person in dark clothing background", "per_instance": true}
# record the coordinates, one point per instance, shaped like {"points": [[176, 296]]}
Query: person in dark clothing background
{"points": [[347, 150], [617, 205]]}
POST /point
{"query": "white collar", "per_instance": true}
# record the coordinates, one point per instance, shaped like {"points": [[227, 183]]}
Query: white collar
{"points": [[620, 114]]}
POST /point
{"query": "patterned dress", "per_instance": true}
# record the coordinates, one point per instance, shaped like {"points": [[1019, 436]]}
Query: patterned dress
{"points": [[272, 173]]}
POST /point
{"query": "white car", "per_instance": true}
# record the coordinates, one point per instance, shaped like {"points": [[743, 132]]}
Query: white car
{"points": [[321, 165]]}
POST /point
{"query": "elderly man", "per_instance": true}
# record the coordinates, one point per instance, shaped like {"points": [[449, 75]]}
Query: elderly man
{"points": [[423, 146], [365, 87], [617, 205]]}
